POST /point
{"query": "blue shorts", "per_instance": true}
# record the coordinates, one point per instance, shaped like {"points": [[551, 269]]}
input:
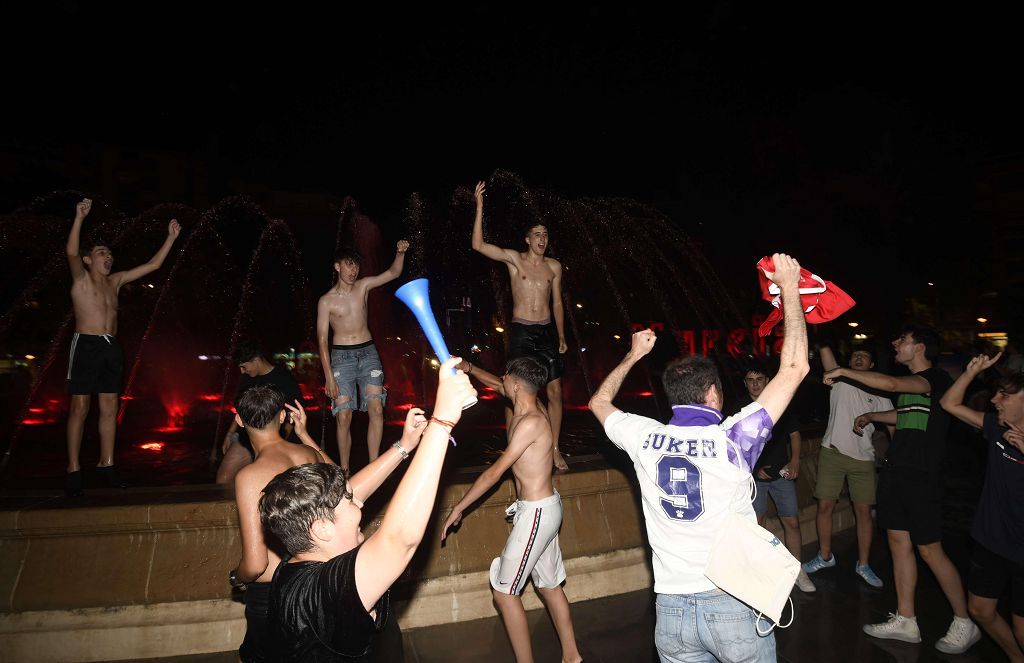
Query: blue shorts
{"points": [[355, 368], [783, 493]]}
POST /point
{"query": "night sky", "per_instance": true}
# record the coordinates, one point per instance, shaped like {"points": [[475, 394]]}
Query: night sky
{"points": [[846, 135]]}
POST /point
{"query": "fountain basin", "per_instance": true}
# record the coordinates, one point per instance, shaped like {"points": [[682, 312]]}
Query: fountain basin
{"points": [[143, 573]]}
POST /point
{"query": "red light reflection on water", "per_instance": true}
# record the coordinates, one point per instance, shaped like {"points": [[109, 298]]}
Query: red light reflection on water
{"points": [[152, 446], [209, 397], [169, 429]]}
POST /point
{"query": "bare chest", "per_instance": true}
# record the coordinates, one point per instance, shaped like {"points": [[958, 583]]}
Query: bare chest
{"points": [[533, 277], [86, 293]]}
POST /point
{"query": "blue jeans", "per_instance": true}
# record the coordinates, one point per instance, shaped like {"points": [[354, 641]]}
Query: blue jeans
{"points": [[708, 627]]}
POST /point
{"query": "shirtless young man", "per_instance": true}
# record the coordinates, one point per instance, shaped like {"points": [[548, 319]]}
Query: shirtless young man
{"points": [[95, 363], [350, 361], [536, 280], [532, 548]]}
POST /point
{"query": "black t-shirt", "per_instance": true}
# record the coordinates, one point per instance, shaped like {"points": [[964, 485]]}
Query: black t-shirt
{"points": [[999, 520], [280, 377], [921, 426], [316, 615], [775, 454]]}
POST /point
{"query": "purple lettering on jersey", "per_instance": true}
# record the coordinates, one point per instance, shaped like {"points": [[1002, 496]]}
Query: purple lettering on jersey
{"points": [[748, 436]]}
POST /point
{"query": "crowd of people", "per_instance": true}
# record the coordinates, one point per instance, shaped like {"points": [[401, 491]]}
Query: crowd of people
{"points": [[316, 589]]}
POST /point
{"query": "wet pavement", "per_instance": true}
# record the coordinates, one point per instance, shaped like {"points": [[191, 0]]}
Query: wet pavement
{"points": [[826, 629]]}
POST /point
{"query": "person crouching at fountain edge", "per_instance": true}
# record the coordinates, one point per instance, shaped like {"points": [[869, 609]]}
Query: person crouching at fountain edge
{"points": [[261, 411], [352, 367], [532, 549], [687, 488], [329, 602], [256, 370], [95, 362], [537, 329]]}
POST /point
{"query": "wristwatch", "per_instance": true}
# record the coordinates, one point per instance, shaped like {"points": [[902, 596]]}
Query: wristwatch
{"points": [[233, 579]]}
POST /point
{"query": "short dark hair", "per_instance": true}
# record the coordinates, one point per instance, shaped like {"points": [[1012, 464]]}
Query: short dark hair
{"points": [[756, 367], [865, 350], [1011, 384], [298, 497], [348, 254], [927, 336], [531, 224], [687, 380], [529, 370], [258, 406], [247, 350], [85, 248]]}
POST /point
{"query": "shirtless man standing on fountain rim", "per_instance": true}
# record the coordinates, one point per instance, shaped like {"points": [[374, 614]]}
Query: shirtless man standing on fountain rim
{"points": [[96, 362], [535, 280], [350, 361]]}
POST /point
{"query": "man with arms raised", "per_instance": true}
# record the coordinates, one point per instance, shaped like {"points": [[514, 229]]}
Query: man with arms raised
{"points": [[329, 602], [535, 280], [353, 374], [532, 548], [692, 473], [95, 364]]}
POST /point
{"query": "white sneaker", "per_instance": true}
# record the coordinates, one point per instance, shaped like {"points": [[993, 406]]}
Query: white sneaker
{"points": [[897, 628], [961, 635], [804, 583]]}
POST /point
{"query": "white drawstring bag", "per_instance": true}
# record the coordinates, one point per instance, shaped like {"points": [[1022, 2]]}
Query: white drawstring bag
{"points": [[752, 565]]}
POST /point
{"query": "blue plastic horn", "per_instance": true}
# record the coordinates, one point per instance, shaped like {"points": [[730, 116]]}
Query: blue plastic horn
{"points": [[416, 295]]}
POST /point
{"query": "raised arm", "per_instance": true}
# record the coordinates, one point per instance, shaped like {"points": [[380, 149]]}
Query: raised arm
{"points": [[556, 305], [323, 345], [902, 384], [491, 251], [953, 400], [525, 434], [73, 247], [392, 272], [793, 365], [488, 379], [127, 276], [828, 358], [601, 401], [387, 552], [366, 481], [297, 418]]}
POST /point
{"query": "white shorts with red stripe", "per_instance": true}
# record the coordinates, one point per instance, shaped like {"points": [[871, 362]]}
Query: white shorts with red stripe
{"points": [[532, 548]]}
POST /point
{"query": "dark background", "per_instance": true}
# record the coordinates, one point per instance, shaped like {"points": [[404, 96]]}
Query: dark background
{"points": [[878, 143]]}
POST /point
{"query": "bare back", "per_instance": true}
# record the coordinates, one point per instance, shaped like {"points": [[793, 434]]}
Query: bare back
{"points": [[249, 484], [531, 287], [347, 313], [532, 470], [95, 303]]}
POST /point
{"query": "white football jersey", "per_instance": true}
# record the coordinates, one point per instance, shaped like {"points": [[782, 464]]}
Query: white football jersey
{"points": [[692, 471]]}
